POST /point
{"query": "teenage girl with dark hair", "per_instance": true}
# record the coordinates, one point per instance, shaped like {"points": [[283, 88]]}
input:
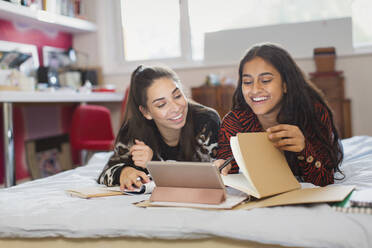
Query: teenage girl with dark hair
{"points": [[160, 124], [273, 95]]}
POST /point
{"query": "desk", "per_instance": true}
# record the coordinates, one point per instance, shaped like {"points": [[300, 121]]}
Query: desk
{"points": [[7, 98]]}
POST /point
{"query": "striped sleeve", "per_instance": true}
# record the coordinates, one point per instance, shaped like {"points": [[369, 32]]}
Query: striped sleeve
{"points": [[230, 127], [314, 161]]}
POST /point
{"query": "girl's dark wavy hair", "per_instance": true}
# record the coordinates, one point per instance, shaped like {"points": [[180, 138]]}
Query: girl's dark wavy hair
{"points": [[138, 127], [297, 104]]}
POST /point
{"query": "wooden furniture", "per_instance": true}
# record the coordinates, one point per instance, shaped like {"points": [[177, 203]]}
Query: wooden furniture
{"points": [[332, 85], [217, 97]]}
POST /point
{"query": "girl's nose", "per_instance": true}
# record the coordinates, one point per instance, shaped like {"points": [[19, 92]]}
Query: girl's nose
{"points": [[256, 87], [174, 106]]}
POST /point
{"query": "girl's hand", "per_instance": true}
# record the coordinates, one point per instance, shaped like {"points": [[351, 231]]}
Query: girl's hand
{"points": [[130, 176], [287, 137], [141, 153], [225, 170]]}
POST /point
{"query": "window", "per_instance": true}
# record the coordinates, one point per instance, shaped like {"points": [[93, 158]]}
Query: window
{"points": [[152, 29], [362, 19]]}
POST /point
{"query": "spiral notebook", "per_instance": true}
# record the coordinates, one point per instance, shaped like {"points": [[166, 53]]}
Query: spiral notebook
{"points": [[358, 202], [362, 198]]}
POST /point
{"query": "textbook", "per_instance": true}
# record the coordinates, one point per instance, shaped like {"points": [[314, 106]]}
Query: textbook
{"points": [[102, 191], [265, 175], [264, 168]]}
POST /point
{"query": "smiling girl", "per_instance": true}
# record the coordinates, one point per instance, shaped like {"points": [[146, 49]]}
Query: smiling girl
{"points": [[273, 96], [160, 124]]}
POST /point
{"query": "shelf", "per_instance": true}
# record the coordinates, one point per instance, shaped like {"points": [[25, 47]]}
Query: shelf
{"points": [[58, 96], [44, 19]]}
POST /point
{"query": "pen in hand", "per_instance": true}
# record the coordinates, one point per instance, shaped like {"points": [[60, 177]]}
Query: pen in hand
{"points": [[228, 161]]}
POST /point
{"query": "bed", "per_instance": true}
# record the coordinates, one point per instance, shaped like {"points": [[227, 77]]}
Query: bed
{"points": [[40, 213]]}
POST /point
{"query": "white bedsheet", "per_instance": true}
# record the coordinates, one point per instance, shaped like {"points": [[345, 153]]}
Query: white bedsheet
{"points": [[41, 208]]}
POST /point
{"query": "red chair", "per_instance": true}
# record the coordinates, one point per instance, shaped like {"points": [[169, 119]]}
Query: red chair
{"points": [[91, 130]]}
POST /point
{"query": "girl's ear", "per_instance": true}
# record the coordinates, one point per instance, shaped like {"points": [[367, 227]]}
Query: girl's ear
{"points": [[145, 113], [284, 87]]}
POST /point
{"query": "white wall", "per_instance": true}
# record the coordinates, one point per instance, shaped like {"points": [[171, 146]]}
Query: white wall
{"points": [[299, 39]]}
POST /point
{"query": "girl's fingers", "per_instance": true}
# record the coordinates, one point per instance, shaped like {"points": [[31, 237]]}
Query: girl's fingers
{"points": [[285, 142], [137, 183], [279, 135], [226, 170], [144, 177], [277, 128], [138, 148], [139, 142], [293, 145], [128, 185], [219, 163], [137, 154]]}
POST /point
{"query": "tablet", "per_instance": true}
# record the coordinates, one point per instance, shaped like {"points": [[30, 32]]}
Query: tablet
{"points": [[185, 174]]}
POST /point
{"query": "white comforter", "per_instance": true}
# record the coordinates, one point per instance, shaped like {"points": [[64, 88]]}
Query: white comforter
{"points": [[41, 208]]}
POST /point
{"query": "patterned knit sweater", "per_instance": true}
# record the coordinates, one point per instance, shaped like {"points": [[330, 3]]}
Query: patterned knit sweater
{"points": [[311, 165], [206, 126]]}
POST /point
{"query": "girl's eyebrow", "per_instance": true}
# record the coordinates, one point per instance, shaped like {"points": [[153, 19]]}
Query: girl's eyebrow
{"points": [[246, 75], [175, 89], [261, 74], [266, 73], [162, 98], [158, 99]]}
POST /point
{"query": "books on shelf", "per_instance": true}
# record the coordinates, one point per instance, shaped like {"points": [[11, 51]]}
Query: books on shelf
{"points": [[265, 174]]}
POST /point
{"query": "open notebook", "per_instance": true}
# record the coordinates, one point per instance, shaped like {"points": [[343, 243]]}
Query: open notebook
{"points": [[102, 191], [265, 174]]}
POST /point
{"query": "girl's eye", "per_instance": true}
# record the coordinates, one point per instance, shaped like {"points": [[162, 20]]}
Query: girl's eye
{"points": [[177, 96], [266, 80], [161, 105], [248, 82]]}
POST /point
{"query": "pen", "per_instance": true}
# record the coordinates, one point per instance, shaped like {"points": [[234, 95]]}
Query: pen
{"points": [[226, 163]]}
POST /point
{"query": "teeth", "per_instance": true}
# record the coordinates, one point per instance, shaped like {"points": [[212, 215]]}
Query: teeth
{"points": [[257, 99], [177, 117]]}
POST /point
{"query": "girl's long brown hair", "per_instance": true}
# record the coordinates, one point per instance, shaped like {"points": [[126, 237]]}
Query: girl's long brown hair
{"points": [[138, 127], [297, 104]]}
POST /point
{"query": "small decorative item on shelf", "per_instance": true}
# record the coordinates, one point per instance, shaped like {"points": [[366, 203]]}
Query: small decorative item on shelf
{"points": [[325, 59], [212, 79]]}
